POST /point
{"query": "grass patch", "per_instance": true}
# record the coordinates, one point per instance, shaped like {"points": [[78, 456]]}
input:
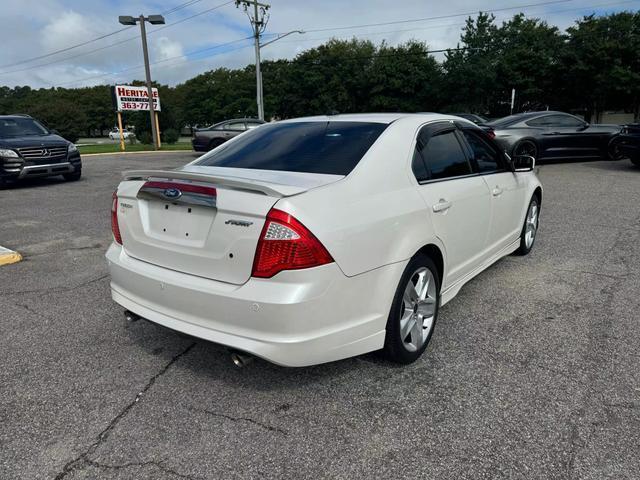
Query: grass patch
{"points": [[138, 147]]}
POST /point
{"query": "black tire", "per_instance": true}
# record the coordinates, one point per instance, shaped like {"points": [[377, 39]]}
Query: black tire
{"points": [[526, 147], [216, 142], [73, 177], [395, 347], [525, 244], [636, 160], [613, 150]]}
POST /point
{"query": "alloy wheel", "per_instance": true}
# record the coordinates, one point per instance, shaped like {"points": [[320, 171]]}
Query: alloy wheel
{"points": [[531, 226], [526, 148], [418, 309]]}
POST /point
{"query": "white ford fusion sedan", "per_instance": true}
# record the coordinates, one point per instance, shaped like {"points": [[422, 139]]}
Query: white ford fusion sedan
{"points": [[321, 238]]}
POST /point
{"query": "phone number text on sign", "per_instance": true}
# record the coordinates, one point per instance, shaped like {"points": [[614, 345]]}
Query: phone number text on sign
{"points": [[136, 106]]}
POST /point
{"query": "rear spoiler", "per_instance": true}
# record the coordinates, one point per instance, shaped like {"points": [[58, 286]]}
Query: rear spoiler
{"points": [[238, 183]]}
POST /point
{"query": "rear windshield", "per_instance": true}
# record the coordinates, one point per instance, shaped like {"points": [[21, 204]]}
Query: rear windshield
{"points": [[309, 147]]}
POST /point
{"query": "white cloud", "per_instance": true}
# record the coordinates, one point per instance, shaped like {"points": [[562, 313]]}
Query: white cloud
{"points": [[66, 29], [35, 27], [166, 48]]}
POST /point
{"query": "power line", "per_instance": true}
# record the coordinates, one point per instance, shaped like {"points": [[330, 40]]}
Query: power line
{"points": [[438, 17], [28, 60], [180, 7], [246, 46], [134, 67], [457, 24], [117, 43]]}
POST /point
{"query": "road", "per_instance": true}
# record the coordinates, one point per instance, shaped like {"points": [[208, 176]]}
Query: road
{"points": [[533, 370]]}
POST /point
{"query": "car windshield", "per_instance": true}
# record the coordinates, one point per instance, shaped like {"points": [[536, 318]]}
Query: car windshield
{"points": [[506, 121], [19, 127], [309, 147]]}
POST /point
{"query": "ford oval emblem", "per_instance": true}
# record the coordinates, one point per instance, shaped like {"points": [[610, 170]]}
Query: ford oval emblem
{"points": [[172, 193]]}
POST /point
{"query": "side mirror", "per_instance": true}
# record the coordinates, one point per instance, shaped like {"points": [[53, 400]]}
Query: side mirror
{"points": [[54, 131], [585, 126], [523, 163]]}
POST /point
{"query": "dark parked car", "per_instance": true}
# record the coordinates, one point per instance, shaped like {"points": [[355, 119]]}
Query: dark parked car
{"points": [[205, 139], [553, 135], [472, 117], [627, 144], [29, 149]]}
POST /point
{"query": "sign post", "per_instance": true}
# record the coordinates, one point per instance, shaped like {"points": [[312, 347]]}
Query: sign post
{"points": [[158, 129], [121, 133], [513, 99]]}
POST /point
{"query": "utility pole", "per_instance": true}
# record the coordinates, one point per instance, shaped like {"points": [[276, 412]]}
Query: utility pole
{"points": [[258, 16], [154, 20]]}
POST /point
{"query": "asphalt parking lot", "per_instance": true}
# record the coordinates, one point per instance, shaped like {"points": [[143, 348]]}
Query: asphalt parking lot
{"points": [[533, 370]]}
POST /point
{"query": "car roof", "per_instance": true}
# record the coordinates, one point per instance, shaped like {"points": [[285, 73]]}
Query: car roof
{"points": [[246, 119], [373, 117], [520, 117]]}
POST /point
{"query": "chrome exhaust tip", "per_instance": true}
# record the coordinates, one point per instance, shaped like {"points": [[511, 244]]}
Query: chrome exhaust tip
{"points": [[240, 359], [130, 316]]}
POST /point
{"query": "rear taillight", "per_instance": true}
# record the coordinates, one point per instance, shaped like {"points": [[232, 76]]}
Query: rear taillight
{"points": [[286, 244], [491, 133], [115, 228]]}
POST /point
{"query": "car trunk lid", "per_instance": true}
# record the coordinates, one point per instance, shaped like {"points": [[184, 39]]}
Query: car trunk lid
{"points": [[204, 221]]}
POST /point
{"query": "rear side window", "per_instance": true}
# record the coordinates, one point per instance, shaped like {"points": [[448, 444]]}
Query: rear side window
{"points": [[235, 126], [445, 157], [556, 121], [309, 147]]}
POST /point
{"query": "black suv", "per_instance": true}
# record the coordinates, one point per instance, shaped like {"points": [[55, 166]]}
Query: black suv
{"points": [[29, 149]]}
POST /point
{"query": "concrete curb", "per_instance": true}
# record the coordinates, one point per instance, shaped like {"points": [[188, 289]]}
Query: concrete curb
{"points": [[9, 256], [135, 153]]}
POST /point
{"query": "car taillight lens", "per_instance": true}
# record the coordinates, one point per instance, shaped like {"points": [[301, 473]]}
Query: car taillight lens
{"points": [[115, 228], [286, 244], [491, 133]]}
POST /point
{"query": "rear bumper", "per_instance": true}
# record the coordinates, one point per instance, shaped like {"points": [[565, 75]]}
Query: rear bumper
{"points": [[200, 144], [295, 319]]}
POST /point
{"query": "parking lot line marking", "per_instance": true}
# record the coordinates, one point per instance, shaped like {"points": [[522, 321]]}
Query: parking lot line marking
{"points": [[9, 256]]}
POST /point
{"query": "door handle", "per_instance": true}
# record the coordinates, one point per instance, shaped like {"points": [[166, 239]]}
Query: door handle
{"points": [[442, 206], [496, 192]]}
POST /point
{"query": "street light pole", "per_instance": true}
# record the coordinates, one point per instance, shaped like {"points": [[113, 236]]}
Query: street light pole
{"points": [[147, 71], [154, 20]]}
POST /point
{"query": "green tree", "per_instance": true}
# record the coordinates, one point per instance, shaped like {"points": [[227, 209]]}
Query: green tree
{"points": [[601, 63], [471, 70]]}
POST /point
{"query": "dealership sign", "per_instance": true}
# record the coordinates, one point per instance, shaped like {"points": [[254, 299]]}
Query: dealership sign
{"points": [[127, 98]]}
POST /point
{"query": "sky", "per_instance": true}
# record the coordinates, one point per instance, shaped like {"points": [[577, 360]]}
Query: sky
{"points": [[203, 35]]}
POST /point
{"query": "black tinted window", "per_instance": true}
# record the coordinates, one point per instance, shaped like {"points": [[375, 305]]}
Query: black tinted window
{"points": [[418, 166], [311, 147], [487, 158], [556, 121], [18, 126], [445, 158]]}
